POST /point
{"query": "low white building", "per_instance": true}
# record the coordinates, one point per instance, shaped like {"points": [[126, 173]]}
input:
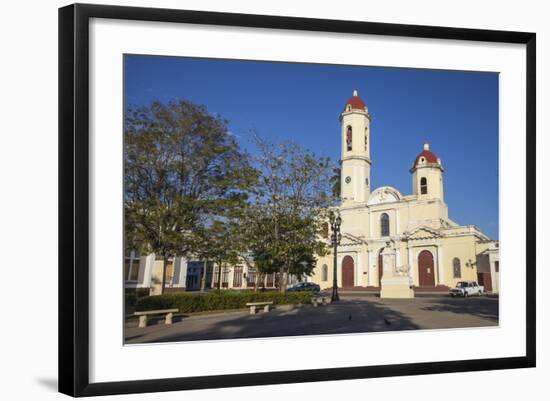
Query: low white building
{"points": [[145, 273]]}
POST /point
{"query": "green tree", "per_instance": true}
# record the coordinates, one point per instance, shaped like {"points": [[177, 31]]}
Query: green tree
{"points": [[284, 221], [182, 169], [220, 246], [336, 181]]}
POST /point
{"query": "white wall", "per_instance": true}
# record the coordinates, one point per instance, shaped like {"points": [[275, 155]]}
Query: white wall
{"points": [[28, 165]]}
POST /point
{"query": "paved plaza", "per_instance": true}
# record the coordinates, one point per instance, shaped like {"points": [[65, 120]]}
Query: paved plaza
{"points": [[353, 314]]}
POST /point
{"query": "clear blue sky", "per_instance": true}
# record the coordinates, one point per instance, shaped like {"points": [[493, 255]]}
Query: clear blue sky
{"points": [[456, 112]]}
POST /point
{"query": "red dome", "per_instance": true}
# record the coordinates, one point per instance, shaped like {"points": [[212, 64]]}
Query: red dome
{"points": [[355, 102], [428, 155]]}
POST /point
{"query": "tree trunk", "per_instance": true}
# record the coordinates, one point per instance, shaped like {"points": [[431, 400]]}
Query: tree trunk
{"points": [[282, 280], [259, 278], [249, 267]]}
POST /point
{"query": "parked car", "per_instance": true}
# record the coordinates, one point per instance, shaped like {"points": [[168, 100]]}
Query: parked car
{"points": [[304, 287], [466, 288]]}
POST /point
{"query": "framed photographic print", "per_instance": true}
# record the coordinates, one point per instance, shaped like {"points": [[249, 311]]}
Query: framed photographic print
{"points": [[312, 199]]}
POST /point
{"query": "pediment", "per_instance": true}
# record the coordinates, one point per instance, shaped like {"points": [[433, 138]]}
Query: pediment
{"points": [[384, 195], [423, 233], [350, 240]]}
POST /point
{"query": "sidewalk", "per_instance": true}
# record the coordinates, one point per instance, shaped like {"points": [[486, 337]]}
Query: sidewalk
{"points": [[350, 315]]}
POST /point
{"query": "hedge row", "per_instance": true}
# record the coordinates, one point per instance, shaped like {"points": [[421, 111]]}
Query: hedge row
{"points": [[218, 300], [131, 295]]}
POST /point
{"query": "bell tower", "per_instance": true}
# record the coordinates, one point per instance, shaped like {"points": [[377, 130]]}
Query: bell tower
{"points": [[427, 175], [355, 157]]}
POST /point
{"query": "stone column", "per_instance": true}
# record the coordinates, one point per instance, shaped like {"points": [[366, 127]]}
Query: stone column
{"points": [[370, 270], [398, 254], [397, 222], [176, 268], [146, 269], [180, 272], [370, 224], [156, 276], [412, 271], [440, 269], [358, 271], [231, 276]]}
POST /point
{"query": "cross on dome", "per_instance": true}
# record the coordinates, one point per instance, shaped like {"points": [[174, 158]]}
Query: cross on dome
{"points": [[355, 103], [426, 156]]}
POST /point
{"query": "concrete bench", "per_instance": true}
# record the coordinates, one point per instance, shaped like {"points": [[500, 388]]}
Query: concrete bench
{"points": [[143, 315], [322, 300], [254, 305]]}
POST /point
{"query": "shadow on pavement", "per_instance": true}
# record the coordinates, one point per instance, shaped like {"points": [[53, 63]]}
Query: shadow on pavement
{"points": [[486, 308], [347, 316]]}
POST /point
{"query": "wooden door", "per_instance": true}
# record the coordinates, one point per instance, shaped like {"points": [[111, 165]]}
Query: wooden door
{"points": [[348, 272], [484, 279], [426, 275]]}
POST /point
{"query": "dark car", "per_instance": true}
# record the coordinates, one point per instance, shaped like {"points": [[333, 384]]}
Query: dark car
{"points": [[304, 287]]}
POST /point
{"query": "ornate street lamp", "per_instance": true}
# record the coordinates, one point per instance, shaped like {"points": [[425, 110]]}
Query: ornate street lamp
{"points": [[335, 238]]}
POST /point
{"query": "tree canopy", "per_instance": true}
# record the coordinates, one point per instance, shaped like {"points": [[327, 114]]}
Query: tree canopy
{"points": [[285, 218], [181, 168], [190, 190]]}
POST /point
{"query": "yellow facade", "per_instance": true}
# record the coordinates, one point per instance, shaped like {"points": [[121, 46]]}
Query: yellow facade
{"points": [[434, 250]]}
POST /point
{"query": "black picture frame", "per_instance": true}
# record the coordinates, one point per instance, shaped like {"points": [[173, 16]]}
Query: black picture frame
{"points": [[74, 198]]}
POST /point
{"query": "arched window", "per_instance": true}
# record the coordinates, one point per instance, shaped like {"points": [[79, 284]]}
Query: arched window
{"points": [[349, 138], [366, 138], [324, 273], [423, 186], [456, 268], [384, 225]]}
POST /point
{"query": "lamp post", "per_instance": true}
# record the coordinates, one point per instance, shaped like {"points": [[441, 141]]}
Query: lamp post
{"points": [[335, 238]]}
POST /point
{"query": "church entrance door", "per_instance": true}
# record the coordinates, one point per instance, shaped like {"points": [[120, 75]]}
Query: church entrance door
{"points": [[426, 276], [347, 272]]}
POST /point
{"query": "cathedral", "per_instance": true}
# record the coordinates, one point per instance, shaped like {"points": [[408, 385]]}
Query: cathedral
{"points": [[435, 251]]}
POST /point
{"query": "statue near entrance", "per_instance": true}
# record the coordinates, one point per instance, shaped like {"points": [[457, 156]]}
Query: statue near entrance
{"points": [[402, 270], [396, 282]]}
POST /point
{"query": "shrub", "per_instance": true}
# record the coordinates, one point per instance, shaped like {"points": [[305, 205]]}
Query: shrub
{"points": [[218, 300], [131, 295]]}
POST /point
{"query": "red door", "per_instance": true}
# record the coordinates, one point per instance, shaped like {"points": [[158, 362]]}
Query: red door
{"points": [[347, 272], [484, 279], [426, 276]]}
